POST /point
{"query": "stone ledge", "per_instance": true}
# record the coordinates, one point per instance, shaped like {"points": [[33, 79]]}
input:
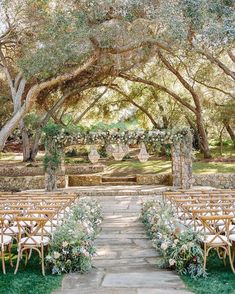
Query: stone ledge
{"points": [[27, 183], [84, 180], [154, 179], [18, 171], [226, 181]]}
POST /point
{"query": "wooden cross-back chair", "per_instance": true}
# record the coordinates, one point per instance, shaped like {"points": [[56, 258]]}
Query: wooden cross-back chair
{"points": [[218, 237], [10, 228], [32, 228], [5, 243]]}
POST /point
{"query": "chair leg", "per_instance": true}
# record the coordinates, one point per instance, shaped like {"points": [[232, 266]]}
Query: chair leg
{"points": [[3, 260], [10, 256], [233, 243], [42, 260], [30, 253], [18, 260], [205, 256], [26, 257], [230, 260]]}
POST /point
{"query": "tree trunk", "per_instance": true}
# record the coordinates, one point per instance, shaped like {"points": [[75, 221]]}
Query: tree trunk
{"points": [[25, 142], [230, 132], [35, 144], [10, 126], [204, 145], [221, 141], [196, 137]]}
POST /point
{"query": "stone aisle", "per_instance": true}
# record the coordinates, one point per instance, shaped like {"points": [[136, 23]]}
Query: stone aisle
{"points": [[125, 261]]}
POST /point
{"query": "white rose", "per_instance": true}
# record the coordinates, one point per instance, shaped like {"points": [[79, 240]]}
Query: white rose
{"points": [[164, 246], [56, 255], [176, 241], [184, 247], [65, 244], [171, 262]]}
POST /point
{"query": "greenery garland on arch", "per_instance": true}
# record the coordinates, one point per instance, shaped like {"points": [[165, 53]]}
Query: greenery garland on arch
{"points": [[65, 138], [56, 138]]}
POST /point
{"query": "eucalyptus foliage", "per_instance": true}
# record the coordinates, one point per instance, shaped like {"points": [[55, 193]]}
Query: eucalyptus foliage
{"points": [[72, 246], [180, 247]]}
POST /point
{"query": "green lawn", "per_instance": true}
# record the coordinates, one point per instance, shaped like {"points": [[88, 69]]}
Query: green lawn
{"points": [[162, 166], [28, 280], [220, 279]]}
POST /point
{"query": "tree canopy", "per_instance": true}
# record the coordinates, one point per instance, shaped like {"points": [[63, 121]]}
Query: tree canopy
{"points": [[166, 61]]}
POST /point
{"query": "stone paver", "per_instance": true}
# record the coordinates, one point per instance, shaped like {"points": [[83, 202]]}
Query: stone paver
{"points": [[125, 261]]}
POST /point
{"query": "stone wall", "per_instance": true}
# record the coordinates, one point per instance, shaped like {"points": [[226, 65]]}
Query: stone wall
{"points": [[18, 171], [37, 182], [84, 180], [181, 152], [154, 179], [215, 180], [27, 183]]}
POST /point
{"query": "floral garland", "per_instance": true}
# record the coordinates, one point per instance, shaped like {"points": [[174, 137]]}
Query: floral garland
{"points": [[65, 138]]}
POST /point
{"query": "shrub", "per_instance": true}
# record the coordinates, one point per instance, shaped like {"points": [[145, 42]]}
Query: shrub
{"points": [[179, 246], [72, 246]]}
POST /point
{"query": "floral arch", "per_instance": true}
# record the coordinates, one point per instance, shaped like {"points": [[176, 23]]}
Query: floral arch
{"points": [[56, 139]]}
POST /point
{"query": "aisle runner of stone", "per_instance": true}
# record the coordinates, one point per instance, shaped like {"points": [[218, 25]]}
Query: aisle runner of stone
{"points": [[125, 261]]}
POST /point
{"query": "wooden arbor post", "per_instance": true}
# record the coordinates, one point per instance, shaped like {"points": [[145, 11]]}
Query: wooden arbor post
{"points": [[182, 162]]}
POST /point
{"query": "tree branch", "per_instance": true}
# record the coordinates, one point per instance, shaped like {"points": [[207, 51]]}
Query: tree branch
{"points": [[144, 110], [159, 87], [217, 62]]}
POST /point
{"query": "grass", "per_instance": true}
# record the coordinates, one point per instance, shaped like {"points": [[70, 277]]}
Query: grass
{"points": [[227, 151], [28, 279], [163, 166], [220, 279]]}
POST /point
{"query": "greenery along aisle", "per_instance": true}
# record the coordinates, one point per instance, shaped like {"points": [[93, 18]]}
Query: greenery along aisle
{"points": [[72, 245], [179, 247], [182, 252]]}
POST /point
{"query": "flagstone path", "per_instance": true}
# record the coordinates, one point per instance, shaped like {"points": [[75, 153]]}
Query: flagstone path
{"points": [[125, 261]]}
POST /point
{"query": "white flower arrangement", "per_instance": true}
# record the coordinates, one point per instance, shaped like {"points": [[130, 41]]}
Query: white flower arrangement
{"points": [[180, 250], [72, 246]]}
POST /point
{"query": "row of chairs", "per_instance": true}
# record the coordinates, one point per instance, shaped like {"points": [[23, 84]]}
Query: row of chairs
{"points": [[210, 214], [29, 219]]}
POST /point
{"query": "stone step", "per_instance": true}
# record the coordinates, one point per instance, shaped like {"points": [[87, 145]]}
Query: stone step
{"points": [[107, 263], [121, 225], [119, 230], [126, 179], [111, 290], [135, 190], [127, 253], [123, 235], [120, 183], [154, 279]]}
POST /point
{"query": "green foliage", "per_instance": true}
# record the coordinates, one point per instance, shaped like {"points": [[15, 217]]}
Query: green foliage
{"points": [[53, 156], [51, 130], [71, 153], [180, 247], [72, 246], [102, 152], [52, 160]]}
